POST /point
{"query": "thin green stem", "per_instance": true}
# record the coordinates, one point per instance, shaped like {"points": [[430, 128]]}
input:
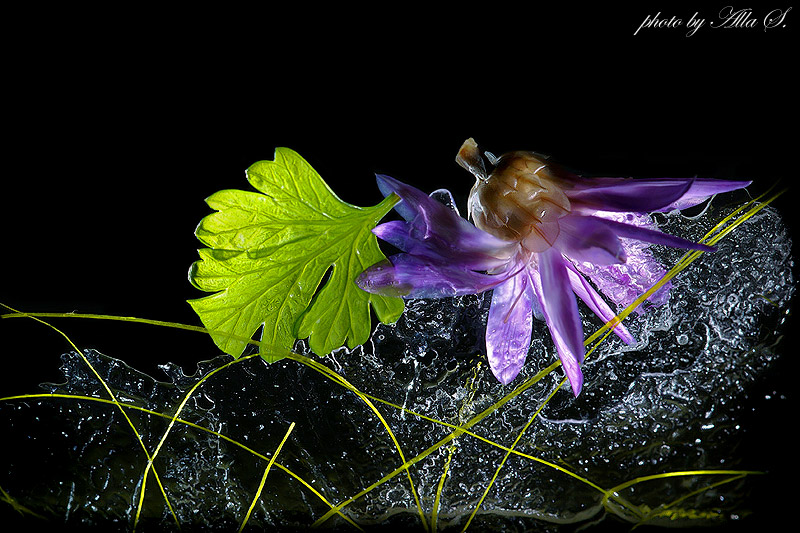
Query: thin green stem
{"points": [[508, 453], [188, 424], [115, 401], [264, 477]]}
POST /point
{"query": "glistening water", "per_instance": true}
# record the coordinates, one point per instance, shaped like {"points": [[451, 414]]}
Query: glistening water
{"points": [[674, 402]]}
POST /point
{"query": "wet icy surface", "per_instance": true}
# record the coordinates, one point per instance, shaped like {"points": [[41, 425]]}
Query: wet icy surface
{"points": [[673, 402]]}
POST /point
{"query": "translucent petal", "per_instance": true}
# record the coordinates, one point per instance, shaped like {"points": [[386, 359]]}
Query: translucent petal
{"points": [[561, 312], [595, 302], [702, 189], [508, 330], [586, 239], [411, 276]]}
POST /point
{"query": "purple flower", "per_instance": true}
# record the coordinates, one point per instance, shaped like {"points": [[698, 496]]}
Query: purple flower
{"points": [[538, 229]]}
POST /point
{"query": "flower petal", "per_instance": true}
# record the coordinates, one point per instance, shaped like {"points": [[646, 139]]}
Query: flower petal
{"points": [[411, 196], [702, 189], [561, 313], [410, 276], [645, 195], [649, 235], [436, 231], [583, 239], [395, 232], [596, 303], [508, 330], [626, 194], [440, 246], [623, 283]]}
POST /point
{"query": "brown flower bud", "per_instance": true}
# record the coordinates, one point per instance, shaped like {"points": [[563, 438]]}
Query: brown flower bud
{"points": [[521, 200]]}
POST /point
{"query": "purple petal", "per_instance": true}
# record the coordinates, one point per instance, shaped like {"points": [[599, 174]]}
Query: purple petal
{"points": [[645, 195], [627, 194], [584, 239], [508, 330], [572, 367], [435, 231], [410, 195], [561, 313], [416, 277], [596, 303], [395, 232], [649, 235], [624, 283], [442, 246], [703, 188]]}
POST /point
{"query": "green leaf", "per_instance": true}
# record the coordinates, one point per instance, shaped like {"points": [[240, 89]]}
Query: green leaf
{"points": [[268, 252]]}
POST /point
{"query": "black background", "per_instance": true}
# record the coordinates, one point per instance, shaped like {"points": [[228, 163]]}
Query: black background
{"points": [[118, 125]]}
